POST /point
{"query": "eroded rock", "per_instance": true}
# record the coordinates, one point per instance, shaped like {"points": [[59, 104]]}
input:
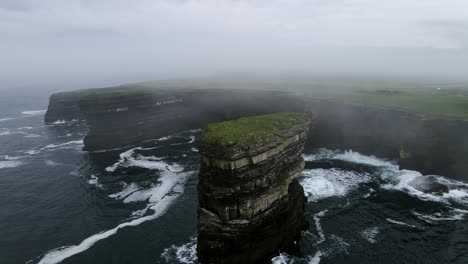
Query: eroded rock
{"points": [[250, 202]]}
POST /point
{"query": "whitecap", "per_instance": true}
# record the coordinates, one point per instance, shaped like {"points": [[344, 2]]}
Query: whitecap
{"points": [[6, 119], [316, 258], [453, 215], [6, 164], [283, 258], [34, 112], [94, 180], [159, 207], [52, 163], [186, 253], [192, 139], [32, 152], [400, 223], [349, 156], [370, 234], [126, 191], [126, 159], [323, 183], [70, 144], [318, 226], [194, 149]]}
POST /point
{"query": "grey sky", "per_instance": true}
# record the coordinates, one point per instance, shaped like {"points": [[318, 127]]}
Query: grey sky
{"points": [[98, 42]]}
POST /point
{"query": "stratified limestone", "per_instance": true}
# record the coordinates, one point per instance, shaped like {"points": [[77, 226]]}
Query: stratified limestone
{"points": [[250, 202]]}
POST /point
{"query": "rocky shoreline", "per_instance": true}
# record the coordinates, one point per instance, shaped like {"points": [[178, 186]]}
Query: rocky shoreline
{"points": [[250, 202]]}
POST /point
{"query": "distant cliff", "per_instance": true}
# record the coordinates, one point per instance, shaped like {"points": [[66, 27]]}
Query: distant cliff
{"points": [[250, 202], [119, 117], [63, 107]]}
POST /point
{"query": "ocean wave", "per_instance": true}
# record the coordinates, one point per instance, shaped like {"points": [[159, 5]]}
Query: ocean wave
{"points": [[66, 145], [126, 158], [453, 215], [400, 223], [349, 156], [7, 118], [7, 164], [282, 258], [318, 226], [34, 112], [161, 198], [323, 183], [186, 253], [370, 234], [94, 180]]}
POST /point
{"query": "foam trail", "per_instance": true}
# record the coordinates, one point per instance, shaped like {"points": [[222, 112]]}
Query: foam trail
{"points": [[34, 112], [319, 226], [58, 255], [52, 146], [316, 258], [370, 234], [281, 259], [10, 164], [6, 119], [400, 223]]}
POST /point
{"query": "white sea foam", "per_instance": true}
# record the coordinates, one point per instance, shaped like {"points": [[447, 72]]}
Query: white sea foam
{"points": [[160, 198], [52, 163], [5, 164], [320, 232], [453, 215], [192, 139], [126, 191], [66, 145], [94, 180], [64, 122], [316, 258], [194, 149], [32, 152], [400, 223], [7, 118], [320, 183], [186, 253], [34, 112], [350, 156], [126, 159], [370, 234], [324, 183], [281, 259]]}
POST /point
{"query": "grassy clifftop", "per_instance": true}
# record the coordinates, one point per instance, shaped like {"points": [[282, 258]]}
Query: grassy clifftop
{"points": [[247, 131]]}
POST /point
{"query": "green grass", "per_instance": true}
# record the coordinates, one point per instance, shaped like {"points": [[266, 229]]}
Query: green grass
{"points": [[247, 131], [420, 97]]}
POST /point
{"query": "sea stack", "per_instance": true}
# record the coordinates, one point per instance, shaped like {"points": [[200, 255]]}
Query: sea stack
{"points": [[251, 204]]}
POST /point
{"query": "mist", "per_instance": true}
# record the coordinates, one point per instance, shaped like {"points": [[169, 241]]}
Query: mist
{"points": [[53, 44]]}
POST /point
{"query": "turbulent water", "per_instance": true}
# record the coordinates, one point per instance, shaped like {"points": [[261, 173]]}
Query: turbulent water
{"points": [[138, 204]]}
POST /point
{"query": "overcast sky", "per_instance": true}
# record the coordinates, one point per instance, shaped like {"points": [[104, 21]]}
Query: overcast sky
{"points": [[99, 42]]}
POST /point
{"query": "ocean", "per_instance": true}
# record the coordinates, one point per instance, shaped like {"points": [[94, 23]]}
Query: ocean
{"points": [[138, 204]]}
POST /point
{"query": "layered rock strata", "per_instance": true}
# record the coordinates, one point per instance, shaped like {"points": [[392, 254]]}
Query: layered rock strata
{"points": [[250, 202]]}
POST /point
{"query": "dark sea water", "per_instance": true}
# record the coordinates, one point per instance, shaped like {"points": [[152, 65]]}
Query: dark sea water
{"points": [[59, 204]]}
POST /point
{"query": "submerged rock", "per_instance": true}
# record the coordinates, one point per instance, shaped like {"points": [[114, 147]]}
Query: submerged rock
{"points": [[428, 184], [250, 202]]}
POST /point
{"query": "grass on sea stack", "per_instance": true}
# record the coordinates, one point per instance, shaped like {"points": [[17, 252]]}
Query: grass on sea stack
{"points": [[248, 131]]}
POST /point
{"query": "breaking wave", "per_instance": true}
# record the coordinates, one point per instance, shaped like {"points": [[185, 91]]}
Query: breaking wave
{"points": [[323, 183], [186, 253], [6, 164], [34, 112]]}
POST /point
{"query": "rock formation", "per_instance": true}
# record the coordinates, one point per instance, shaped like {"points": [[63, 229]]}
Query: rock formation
{"points": [[122, 116], [250, 202]]}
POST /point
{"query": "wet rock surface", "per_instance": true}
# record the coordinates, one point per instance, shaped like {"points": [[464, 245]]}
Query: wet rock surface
{"points": [[250, 202]]}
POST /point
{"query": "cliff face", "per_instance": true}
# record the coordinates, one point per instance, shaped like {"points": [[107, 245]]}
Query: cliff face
{"points": [[250, 201], [118, 121], [63, 107], [430, 145], [427, 144]]}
